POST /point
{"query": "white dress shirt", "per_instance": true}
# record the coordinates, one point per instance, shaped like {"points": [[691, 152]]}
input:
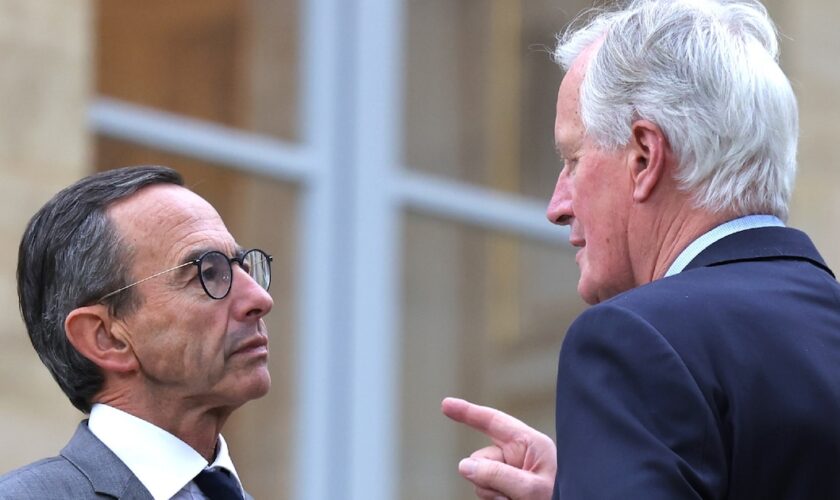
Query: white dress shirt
{"points": [[718, 233], [163, 463]]}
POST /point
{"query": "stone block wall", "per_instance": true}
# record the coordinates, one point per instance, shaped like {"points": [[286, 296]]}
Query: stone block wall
{"points": [[45, 83]]}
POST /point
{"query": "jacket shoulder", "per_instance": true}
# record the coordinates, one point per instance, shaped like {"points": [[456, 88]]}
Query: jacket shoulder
{"points": [[50, 478]]}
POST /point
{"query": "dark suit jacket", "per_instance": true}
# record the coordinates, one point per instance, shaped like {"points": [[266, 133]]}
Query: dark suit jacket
{"points": [[721, 382], [86, 468]]}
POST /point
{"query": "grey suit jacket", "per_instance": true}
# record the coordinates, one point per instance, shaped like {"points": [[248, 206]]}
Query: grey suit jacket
{"points": [[85, 468]]}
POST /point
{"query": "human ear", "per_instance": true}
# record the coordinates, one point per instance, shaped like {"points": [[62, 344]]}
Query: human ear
{"points": [[92, 332], [648, 150]]}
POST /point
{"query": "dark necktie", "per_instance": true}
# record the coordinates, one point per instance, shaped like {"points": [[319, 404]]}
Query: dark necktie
{"points": [[218, 484]]}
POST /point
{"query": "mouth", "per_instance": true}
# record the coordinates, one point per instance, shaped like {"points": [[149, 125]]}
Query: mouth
{"points": [[580, 244], [256, 345], [576, 238]]}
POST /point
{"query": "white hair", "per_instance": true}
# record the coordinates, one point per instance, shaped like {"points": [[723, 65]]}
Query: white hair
{"points": [[706, 72]]}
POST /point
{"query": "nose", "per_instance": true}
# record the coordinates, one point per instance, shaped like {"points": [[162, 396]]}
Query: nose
{"points": [[559, 209], [251, 301]]}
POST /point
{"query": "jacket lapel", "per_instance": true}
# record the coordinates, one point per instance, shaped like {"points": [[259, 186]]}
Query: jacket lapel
{"points": [[107, 473]]}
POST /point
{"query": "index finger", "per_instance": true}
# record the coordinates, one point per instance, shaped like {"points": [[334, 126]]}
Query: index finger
{"points": [[497, 425]]}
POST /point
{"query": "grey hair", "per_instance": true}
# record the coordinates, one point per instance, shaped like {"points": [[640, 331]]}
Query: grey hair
{"points": [[70, 256], [707, 73]]}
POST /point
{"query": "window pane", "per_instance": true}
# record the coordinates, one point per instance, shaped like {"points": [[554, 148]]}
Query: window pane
{"points": [[484, 316], [481, 91], [228, 61], [259, 212]]}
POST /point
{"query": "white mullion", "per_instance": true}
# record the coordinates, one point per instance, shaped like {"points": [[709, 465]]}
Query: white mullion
{"points": [[375, 376], [478, 206], [200, 139], [318, 468]]}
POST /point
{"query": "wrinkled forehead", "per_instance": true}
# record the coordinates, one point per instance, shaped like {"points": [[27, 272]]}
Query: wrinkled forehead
{"points": [[576, 73], [568, 125], [568, 96], [160, 224]]}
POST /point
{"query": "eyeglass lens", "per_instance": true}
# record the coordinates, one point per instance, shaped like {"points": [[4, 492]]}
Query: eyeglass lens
{"points": [[216, 273], [258, 265]]}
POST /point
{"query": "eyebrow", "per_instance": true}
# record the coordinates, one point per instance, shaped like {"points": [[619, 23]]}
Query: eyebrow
{"points": [[558, 150], [194, 254]]}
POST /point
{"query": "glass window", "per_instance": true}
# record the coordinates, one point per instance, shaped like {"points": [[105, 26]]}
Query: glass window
{"points": [[227, 61], [484, 315], [481, 90]]}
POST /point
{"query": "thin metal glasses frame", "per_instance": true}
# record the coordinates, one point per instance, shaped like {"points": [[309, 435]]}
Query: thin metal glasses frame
{"points": [[240, 258]]}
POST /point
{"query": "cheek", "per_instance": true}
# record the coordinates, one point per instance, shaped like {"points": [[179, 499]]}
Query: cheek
{"points": [[604, 260], [204, 342], [183, 345]]}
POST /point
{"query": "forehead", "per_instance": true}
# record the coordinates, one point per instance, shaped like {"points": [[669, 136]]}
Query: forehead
{"points": [[164, 222], [568, 126]]}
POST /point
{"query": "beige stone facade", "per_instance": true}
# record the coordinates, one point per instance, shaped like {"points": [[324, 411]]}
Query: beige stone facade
{"points": [[45, 83]]}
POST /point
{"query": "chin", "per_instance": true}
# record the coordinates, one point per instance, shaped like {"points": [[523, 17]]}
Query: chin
{"points": [[261, 384], [254, 385], [587, 293]]}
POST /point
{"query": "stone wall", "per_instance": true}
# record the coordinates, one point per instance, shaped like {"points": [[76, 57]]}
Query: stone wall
{"points": [[44, 145]]}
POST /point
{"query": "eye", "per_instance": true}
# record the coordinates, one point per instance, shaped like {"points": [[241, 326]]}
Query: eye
{"points": [[214, 268], [210, 272]]}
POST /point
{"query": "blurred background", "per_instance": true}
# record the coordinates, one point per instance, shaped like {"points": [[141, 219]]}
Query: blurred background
{"points": [[395, 156]]}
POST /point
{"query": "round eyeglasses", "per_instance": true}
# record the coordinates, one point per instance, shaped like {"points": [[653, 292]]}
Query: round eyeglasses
{"points": [[215, 271]]}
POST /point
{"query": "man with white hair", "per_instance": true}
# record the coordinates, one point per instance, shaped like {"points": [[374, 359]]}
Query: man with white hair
{"points": [[709, 363]]}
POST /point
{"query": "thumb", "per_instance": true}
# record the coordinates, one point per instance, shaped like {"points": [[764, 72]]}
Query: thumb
{"points": [[507, 480]]}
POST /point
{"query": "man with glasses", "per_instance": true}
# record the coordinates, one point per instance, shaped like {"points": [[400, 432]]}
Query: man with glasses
{"points": [[149, 316]]}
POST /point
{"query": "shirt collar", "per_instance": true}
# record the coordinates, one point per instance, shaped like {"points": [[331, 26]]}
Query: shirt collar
{"points": [[161, 461], [718, 233]]}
